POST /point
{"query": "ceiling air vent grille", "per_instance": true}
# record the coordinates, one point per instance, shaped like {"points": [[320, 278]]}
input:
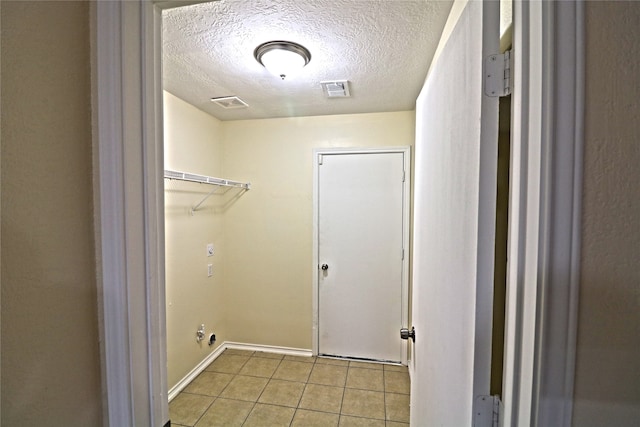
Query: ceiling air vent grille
{"points": [[336, 89], [230, 102]]}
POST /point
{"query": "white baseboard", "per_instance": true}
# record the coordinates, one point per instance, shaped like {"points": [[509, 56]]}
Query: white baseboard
{"points": [[269, 349], [184, 382], [195, 372]]}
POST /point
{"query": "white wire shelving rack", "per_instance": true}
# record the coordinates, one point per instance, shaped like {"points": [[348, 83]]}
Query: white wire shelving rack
{"points": [[203, 179]]}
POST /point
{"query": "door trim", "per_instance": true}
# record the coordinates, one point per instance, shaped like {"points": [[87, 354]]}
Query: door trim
{"points": [[544, 213], [129, 210], [406, 209]]}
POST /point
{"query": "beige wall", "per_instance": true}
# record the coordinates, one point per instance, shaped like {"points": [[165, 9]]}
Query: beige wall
{"points": [[192, 144], [268, 231], [50, 345], [607, 387], [261, 289]]}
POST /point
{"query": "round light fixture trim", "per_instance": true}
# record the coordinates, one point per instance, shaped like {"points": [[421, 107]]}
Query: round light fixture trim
{"points": [[282, 58]]}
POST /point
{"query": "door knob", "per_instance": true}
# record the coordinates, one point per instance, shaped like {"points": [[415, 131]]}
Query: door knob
{"points": [[405, 334], [325, 267]]}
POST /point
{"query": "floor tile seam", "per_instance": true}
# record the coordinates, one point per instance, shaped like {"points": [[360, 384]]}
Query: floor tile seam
{"points": [[308, 375], [301, 361], [205, 411], [364, 418], [261, 356], [286, 406], [363, 389], [254, 376], [288, 381], [304, 388], [269, 404], [200, 394], [293, 382], [328, 412], [243, 365], [344, 391], [249, 413], [385, 407], [398, 392], [328, 385], [347, 381], [344, 383], [365, 367], [318, 410], [258, 376], [384, 399], [388, 368], [268, 380], [276, 368]]}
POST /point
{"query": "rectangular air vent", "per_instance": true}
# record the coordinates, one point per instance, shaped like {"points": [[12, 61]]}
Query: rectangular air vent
{"points": [[230, 102], [336, 89]]}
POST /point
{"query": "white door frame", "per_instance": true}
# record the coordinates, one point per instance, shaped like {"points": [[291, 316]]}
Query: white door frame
{"points": [[129, 211], [317, 153], [544, 219], [544, 213]]}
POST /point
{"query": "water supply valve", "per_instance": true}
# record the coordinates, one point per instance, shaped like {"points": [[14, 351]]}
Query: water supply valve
{"points": [[200, 333]]}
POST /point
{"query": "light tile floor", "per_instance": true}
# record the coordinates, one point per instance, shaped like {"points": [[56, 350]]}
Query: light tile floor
{"points": [[246, 388]]}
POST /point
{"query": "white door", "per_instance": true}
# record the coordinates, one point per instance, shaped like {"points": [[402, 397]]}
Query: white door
{"points": [[454, 216], [360, 254]]}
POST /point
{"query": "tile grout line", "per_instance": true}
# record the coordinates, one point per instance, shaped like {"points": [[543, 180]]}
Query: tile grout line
{"points": [[303, 390], [384, 396], [234, 377], [265, 386], [344, 391], [313, 363], [221, 391]]}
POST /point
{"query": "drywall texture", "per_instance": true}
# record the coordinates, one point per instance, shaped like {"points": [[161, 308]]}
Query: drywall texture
{"points": [[208, 52], [607, 383], [268, 231], [50, 346], [192, 144]]}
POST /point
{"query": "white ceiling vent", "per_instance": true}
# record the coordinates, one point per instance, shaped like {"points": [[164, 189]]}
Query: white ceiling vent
{"points": [[336, 89], [230, 102]]}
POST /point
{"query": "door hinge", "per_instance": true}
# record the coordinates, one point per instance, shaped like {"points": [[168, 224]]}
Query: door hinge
{"points": [[487, 412], [403, 175], [403, 254], [320, 159], [497, 74]]}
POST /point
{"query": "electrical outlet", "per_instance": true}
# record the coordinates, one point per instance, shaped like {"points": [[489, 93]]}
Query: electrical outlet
{"points": [[209, 270], [210, 249]]}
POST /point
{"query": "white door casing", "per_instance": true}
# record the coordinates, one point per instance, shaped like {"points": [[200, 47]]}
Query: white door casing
{"points": [[544, 213], [390, 315], [454, 222], [360, 254]]}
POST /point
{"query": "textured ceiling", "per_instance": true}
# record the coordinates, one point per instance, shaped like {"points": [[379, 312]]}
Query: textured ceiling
{"points": [[382, 47]]}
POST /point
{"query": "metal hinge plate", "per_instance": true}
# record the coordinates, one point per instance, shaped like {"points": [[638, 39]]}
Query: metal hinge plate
{"points": [[487, 412], [497, 74]]}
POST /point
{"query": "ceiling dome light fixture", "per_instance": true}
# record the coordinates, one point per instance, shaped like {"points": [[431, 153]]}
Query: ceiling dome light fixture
{"points": [[282, 58]]}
